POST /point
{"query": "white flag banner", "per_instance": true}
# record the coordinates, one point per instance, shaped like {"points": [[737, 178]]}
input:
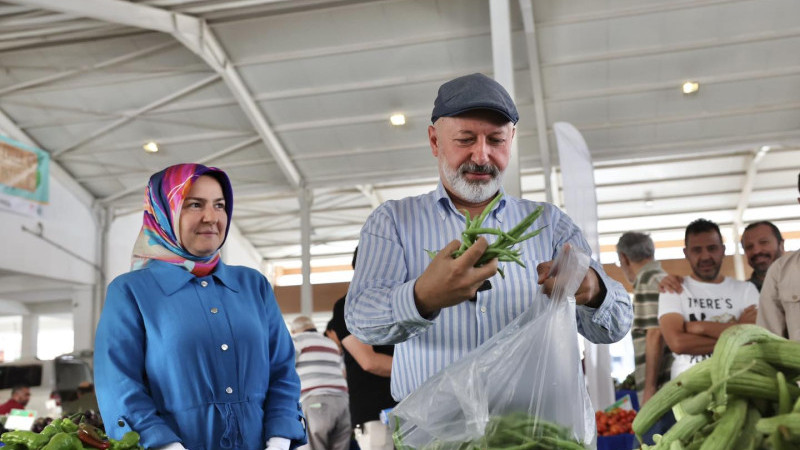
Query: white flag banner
{"points": [[580, 201]]}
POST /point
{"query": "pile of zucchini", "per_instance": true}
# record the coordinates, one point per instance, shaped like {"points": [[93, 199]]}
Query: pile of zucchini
{"points": [[745, 396]]}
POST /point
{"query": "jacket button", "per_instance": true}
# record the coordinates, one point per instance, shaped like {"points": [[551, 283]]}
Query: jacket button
{"points": [[121, 423], [229, 390]]}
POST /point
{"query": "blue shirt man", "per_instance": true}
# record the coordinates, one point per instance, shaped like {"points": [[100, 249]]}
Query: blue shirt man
{"points": [[400, 296]]}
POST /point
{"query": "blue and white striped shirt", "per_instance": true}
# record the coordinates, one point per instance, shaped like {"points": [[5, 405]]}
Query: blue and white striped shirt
{"points": [[380, 305]]}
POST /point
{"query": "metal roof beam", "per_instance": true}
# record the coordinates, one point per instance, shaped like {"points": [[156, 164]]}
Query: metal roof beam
{"points": [[532, 46], [101, 65], [196, 35], [150, 106]]}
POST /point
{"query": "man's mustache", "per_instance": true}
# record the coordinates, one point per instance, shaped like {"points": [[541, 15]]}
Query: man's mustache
{"points": [[477, 168]]}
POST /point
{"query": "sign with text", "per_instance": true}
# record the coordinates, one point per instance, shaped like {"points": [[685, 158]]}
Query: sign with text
{"points": [[24, 177], [20, 419]]}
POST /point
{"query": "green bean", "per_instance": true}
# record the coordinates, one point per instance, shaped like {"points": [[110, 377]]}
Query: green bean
{"points": [[501, 247]]}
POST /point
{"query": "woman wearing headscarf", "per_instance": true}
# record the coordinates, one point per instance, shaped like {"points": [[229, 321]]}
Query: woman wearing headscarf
{"points": [[190, 352]]}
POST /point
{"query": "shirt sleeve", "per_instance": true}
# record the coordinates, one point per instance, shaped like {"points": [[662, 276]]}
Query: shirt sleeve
{"points": [[282, 413], [612, 320], [669, 303], [770, 309], [122, 391], [380, 306]]}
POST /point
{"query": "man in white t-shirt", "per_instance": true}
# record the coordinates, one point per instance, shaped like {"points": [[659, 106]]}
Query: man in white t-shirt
{"points": [[692, 320]]}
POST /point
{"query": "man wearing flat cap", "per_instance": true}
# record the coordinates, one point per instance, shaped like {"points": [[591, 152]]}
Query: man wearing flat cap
{"points": [[433, 309]]}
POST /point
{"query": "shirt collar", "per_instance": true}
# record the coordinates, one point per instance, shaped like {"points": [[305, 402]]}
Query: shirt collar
{"points": [[445, 206], [171, 277], [652, 265]]}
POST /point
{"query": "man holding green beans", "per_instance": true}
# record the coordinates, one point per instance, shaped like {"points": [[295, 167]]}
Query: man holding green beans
{"points": [[433, 309]]}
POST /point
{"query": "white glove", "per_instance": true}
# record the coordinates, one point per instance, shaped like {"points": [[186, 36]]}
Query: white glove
{"points": [[278, 443], [172, 446]]}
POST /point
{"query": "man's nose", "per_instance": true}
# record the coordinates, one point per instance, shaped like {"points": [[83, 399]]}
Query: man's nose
{"points": [[480, 152]]}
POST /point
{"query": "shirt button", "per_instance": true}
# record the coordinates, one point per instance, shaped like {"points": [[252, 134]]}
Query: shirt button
{"points": [[224, 347], [483, 309], [229, 390], [121, 423], [214, 310], [204, 283]]}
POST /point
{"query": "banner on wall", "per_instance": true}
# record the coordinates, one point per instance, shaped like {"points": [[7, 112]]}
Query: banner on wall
{"points": [[24, 177], [580, 201]]}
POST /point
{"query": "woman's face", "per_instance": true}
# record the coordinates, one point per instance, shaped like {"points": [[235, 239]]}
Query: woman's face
{"points": [[203, 218]]}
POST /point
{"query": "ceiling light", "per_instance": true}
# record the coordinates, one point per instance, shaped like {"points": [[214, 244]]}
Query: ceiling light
{"points": [[690, 87], [150, 147], [398, 119]]}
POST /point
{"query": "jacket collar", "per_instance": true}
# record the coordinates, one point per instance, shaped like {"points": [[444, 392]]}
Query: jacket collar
{"points": [[171, 277]]}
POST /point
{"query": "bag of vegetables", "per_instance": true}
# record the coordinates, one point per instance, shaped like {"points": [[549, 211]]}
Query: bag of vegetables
{"points": [[523, 388]]}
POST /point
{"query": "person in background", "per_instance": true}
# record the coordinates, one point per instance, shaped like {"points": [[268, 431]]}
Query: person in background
{"points": [[323, 387], [20, 396], [762, 243], [368, 370], [709, 303], [86, 400], [190, 352], [432, 308], [653, 358], [330, 333], [779, 304]]}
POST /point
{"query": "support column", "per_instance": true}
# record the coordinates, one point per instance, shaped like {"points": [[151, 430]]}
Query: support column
{"points": [[503, 64], [30, 335], [535, 69], [83, 324], [306, 300]]}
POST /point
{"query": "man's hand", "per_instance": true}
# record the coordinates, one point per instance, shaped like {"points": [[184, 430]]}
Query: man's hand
{"points": [[588, 293], [749, 314], [672, 284], [447, 281]]}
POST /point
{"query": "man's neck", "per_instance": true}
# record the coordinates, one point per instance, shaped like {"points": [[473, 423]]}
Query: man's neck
{"points": [[758, 276], [719, 279], [636, 267], [475, 209]]}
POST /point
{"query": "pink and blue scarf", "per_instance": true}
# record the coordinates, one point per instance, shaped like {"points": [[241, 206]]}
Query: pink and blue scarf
{"points": [[160, 235]]}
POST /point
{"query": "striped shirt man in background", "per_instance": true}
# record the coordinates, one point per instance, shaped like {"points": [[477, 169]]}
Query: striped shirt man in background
{"points": [[323, 387], [636, 253], [431, 308]]}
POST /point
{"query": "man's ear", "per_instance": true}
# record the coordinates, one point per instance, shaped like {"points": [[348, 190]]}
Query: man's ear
{"points": [[433, 140], [685, 253]]}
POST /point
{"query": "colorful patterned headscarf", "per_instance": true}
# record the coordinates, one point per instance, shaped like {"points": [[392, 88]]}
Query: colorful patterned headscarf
{"points": [[160, 235]]}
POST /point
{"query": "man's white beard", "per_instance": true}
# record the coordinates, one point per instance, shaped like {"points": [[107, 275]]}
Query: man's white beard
{"points": [[470, 191]]}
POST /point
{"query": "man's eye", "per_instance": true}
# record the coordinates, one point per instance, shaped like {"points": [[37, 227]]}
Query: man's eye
{"points": [[464, 141]]}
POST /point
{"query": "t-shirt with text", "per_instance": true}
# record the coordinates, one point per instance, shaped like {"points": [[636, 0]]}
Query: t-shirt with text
{"points": [[710, 302]]}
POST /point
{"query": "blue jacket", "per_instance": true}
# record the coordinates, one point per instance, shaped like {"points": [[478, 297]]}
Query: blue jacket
{"points": [[207, 362]]}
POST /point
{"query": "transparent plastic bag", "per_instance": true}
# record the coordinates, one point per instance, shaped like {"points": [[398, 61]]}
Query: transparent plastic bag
{"points": [[530, 369]]}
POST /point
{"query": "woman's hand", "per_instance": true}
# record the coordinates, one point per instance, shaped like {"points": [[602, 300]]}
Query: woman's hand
{"points": [[278, 443]]}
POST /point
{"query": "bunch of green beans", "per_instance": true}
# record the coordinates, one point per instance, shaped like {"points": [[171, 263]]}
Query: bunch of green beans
{"points": [[500, 248], [517, 431]]}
